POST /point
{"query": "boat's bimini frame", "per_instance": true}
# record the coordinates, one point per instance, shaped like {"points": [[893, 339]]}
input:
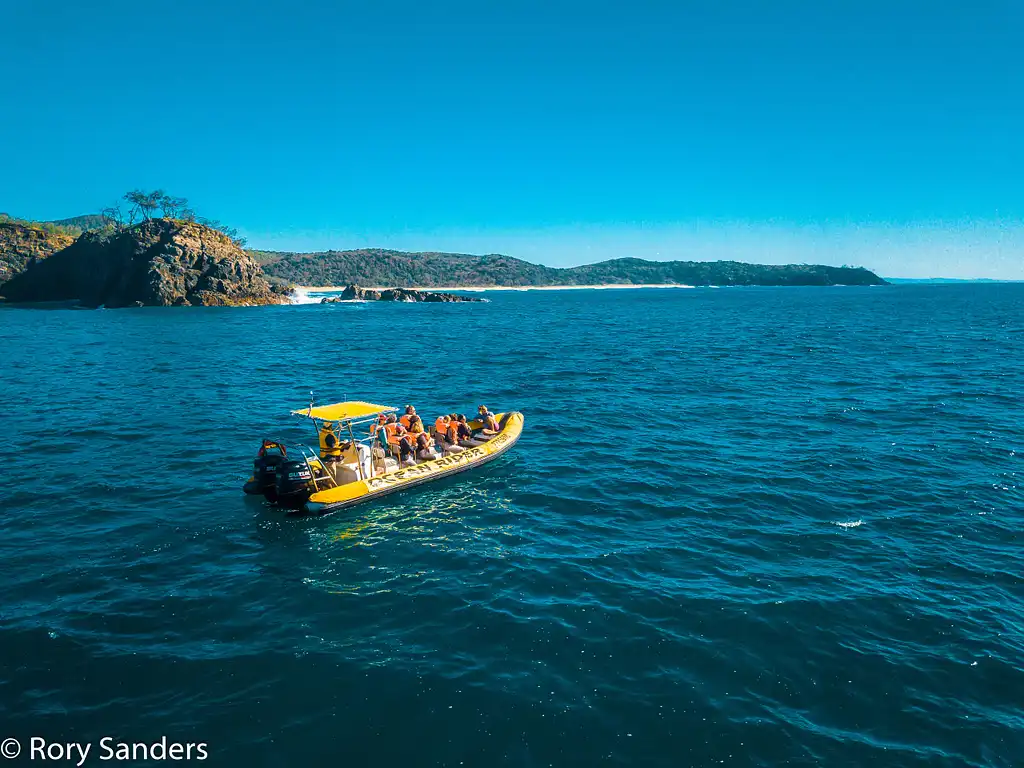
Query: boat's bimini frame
{"points": [[347, 415]]}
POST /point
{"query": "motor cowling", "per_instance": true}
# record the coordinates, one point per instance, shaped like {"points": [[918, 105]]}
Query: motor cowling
{"points": [[265, 468], [264, 473], [294, 483]]}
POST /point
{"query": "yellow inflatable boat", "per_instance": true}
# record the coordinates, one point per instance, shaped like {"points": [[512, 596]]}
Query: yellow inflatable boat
{"points": [[352, 466]]}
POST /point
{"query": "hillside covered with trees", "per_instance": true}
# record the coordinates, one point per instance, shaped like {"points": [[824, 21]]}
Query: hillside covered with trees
{"points": [[65, 227], [434, 270]]}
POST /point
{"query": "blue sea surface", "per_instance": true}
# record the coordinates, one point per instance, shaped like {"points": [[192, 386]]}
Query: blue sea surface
{"points": [[742, 527]]}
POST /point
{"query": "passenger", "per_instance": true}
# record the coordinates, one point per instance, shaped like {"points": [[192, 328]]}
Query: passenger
{"points": [[447, 435], [407, 416], [415, 425], [382, 419], [490, 424], [398, 437], [465, 434], [452, 433], [424, 450], [406, 452]]}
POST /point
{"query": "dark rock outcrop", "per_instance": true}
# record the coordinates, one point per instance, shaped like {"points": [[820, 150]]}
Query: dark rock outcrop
{"points": [[355, 293], [22, 245], [162, 263]]}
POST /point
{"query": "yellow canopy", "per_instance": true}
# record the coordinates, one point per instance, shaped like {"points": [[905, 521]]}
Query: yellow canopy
{"points": [[343, 411]]}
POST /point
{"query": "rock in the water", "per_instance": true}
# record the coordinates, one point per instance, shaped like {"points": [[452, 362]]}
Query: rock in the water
{"points": [[22, 245], [355, 293], [162, 262]]}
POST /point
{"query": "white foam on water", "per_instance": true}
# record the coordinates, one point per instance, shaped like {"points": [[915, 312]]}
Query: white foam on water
{"points": [[480, 288], [309, 296], [301, 296], [851, 524]]}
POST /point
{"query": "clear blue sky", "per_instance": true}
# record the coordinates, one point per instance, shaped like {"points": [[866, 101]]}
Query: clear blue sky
{"points": [[886, 133]]}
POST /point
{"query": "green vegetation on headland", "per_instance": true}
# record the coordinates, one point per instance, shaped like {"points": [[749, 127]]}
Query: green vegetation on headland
{"points": [[23, 244], [145, 206], [66, 227], [437, 270], [133, 208]]}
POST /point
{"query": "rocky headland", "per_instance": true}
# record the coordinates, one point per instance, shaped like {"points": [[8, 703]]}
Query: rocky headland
{"points": [[355, 293], [161, 262]]}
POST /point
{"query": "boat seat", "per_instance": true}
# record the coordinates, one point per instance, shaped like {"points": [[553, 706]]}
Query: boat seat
{"points": [[435, 457], [389, 461], [346, 473]]}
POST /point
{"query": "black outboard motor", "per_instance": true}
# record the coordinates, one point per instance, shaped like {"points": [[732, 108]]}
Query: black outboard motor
{"points": [[294, 483], [264, 469]]}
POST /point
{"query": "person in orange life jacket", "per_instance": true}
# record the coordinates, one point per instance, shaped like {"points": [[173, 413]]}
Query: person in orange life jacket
{"points": [[452, 432], [408, 416], [398, 435], [423, 441], [448, 442]]}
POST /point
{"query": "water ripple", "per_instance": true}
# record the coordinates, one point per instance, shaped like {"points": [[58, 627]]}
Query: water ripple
{"points": [[756, 526]]}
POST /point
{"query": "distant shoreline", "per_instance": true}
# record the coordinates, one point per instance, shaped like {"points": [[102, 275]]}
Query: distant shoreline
{"points": [[466, 288]]}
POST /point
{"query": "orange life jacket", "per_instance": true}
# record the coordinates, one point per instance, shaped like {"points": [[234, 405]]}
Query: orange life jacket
{"points": [[394, 436], [406, 420], [440, 425]]}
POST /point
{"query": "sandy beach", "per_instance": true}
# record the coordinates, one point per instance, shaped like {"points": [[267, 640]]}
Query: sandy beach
{"points": [[475, 288], [302, 293]]}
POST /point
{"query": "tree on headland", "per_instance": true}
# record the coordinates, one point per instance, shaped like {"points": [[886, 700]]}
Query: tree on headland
{"points": [[144, 206], [176, 208], [114, 216], [225, 229]]}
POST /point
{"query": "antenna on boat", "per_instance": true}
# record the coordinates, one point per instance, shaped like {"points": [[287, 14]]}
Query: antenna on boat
{"points": [[310, 411]]}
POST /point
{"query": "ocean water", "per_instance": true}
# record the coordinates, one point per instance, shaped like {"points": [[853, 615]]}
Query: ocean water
{"points": [[742, 527]]}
